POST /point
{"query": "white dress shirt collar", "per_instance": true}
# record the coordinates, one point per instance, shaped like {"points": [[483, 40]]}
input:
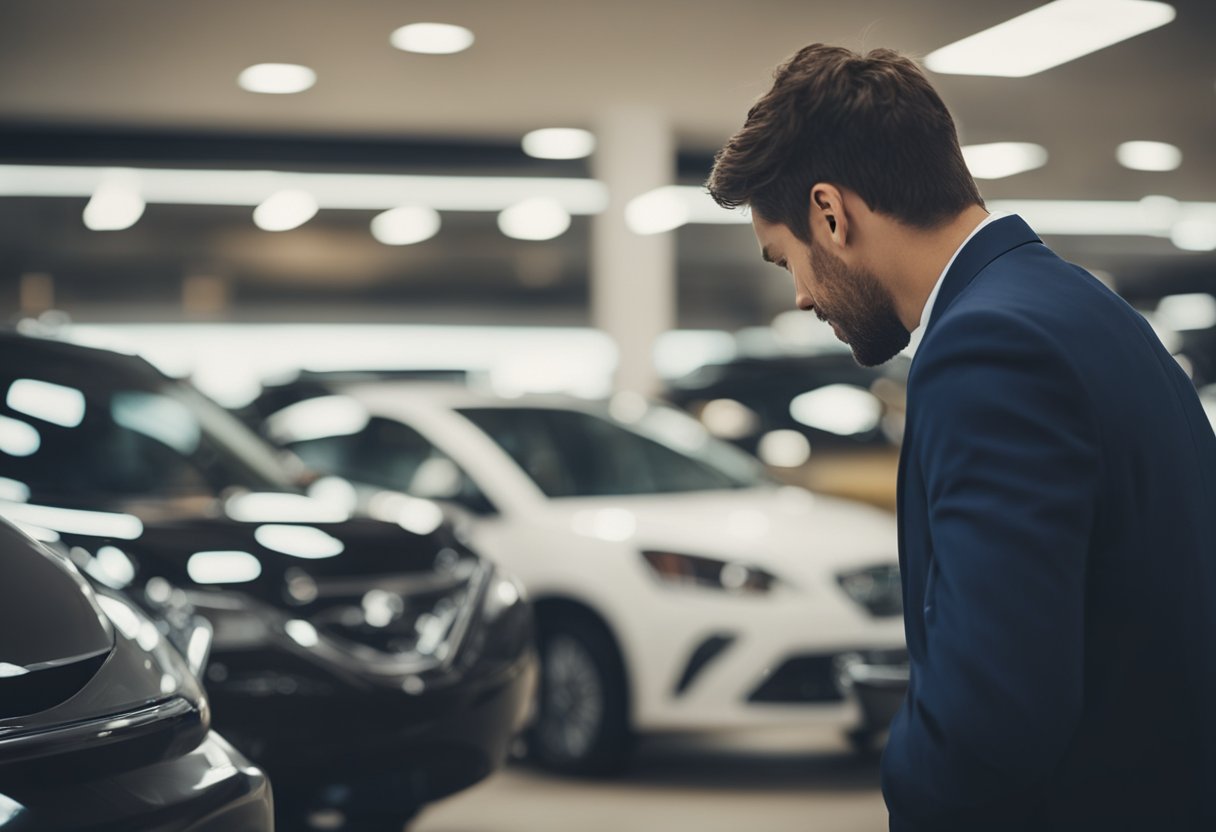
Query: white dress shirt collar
{"points": [[927, 313]]}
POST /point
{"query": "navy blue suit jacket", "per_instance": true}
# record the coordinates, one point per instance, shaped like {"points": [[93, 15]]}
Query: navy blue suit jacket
{"points": [[1058, 546]]}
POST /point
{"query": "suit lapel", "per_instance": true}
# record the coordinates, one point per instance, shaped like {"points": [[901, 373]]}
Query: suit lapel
{"points": [[991, 242]]}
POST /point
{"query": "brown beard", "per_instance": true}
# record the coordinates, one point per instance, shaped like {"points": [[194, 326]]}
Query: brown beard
{"points": [[860, 306]]}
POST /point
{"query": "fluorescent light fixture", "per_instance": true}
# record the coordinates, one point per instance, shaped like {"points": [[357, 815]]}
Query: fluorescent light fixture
{"points": [[539, 218], [1182, 313], [406, 225], [432, 38], [276, 79], [54, 403], [342, 191], [1000, 159], [228, 360], [559, 143], [285, 210], [1156, 156], [657, 211], [115, 205], [1048, 36], [226, 567]]}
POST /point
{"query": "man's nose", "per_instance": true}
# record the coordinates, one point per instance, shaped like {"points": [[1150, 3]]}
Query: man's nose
{"points": [[804, 302]]}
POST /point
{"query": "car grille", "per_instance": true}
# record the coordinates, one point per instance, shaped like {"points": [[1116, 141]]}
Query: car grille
{"points": [[812, 678], [422, 617]]}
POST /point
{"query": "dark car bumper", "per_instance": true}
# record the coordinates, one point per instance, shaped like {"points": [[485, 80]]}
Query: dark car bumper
{"points": [[333, 740], [876, 679], [212, 788], [390, 755]]}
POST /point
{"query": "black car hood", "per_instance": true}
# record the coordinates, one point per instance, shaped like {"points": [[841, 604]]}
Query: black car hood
{"points": [[191, 542]]}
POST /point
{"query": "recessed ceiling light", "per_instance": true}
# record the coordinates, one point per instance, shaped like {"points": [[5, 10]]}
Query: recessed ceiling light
{"points": [[534, 219], [559, 143], [277, 79], [285, 210], [406, 225], [657, 211], [1148, 156], [1000, 159], [114, 206], [1048, 36], [432, 38]]}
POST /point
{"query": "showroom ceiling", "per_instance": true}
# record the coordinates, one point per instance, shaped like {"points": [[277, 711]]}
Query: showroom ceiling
{"points": [[132, 66]]}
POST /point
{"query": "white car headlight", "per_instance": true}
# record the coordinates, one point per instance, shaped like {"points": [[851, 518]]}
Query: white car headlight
{"points": [[709, 573]]}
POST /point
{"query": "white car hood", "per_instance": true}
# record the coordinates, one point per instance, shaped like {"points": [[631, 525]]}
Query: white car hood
{"points": [[787, 530]]}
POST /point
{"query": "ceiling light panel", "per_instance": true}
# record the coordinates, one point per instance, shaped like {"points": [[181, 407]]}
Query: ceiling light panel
{"points": [[285, 210], [1001, 159], [115, 205], [1048, 36], [1153, 156], [351, 191], [406, 225], [432, 38], [534, 219], [559, 143], [277, 79]]}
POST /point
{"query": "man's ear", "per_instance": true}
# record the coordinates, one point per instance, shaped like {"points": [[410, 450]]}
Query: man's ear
{"points": [[828, 220]]}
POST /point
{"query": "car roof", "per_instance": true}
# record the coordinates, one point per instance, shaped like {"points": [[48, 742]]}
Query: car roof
{"points": [[21, 349]]}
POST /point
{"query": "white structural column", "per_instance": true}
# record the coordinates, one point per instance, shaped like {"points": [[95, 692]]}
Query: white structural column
{"points": [[633, 277]]}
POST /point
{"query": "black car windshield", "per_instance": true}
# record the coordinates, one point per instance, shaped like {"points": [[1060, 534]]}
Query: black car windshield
{"points": [[136, 436], [576, 453]]}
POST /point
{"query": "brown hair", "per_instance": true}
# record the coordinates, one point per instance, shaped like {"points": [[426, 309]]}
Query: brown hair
{"points": [[872, 124]]}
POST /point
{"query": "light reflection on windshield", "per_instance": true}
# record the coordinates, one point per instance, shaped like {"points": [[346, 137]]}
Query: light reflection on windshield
{"points": [[135, 438]]}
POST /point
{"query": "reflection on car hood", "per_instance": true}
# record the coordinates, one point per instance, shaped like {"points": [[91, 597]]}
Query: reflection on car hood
{"points": [[195, 541], [788, 530]]}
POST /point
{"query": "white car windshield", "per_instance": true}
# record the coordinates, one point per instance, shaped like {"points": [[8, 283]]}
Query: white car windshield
{"points": [[575, 453]]}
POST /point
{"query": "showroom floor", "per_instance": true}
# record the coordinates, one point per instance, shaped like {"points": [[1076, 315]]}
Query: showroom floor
{"points": [[757, 784]]}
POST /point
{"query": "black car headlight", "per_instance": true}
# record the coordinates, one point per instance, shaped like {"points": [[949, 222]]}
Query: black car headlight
{"points": [[112, 573], [383, 626], [876, 588], [694, 571]]}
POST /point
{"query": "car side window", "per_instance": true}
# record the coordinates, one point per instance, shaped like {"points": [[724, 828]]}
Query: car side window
{"points": [[388, 454], [569, 453]]}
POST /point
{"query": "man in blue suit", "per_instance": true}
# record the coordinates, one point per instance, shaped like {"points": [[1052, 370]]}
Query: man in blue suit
{"points": [[1057, 482]]}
